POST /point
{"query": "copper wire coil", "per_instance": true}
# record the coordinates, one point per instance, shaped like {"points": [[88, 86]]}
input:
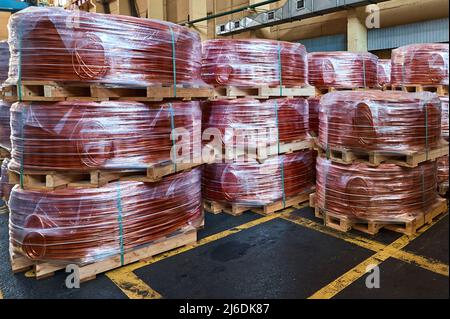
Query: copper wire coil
{"points": [[444, 113], [314, 105], [4, 61], [101, 135], [85, 225], [387, 193], [5, 187], [425, 64], [342, 69], [442, 169], [5, 129], [384, 72], [257, 123], [252, 183], [375, 120], [254, 62], [75, 46]]}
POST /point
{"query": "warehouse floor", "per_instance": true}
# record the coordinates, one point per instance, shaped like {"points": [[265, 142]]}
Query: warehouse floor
{"points": [[290, 255]]}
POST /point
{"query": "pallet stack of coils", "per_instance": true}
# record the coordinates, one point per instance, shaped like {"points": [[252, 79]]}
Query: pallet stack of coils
{"points": [[76, 221], [5, 132], [250, 136], [424, 67], [384, 73]]}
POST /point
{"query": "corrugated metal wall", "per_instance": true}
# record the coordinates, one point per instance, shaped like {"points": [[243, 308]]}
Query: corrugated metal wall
{"points": [[421, 32], [336, 42]]}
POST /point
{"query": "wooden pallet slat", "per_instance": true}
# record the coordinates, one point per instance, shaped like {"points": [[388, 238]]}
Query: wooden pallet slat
{"points": [[440, 90], [322, 91], [263, 92]]}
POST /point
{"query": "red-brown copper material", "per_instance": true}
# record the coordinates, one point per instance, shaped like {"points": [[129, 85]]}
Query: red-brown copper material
{"points": [[100, 135], [253, 62], [384, 72], [444, 114], [442, 169], [84, 225], [75, 46], [425, 64], [388, 193], [376, 120], [343, 70], [314, 105]]}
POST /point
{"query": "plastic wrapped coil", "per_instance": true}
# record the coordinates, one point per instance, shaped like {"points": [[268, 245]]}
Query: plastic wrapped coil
{"points": [[4, 61], [384, 72], [5, 129], [5, 187], [314, 106]]}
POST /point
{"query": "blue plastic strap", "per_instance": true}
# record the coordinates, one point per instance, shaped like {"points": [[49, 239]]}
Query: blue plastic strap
{"points": [[280, 69], [426, 130], [174, 62], [172, 134], [22, 139], [120, 221]]}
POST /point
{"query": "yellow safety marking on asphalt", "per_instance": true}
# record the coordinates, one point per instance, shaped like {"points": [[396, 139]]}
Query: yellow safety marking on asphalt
{"points": [[132, 286], [120, 275], [1, 295], [336, 286]]}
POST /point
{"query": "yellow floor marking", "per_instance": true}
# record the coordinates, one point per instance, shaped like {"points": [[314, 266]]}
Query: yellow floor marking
{"points": [[132, 286], [423, 262], [1, 295], [336, 286]]}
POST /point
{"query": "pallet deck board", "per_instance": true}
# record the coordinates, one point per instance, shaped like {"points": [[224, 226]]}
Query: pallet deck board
{"points": [[324, 90], [262, 92], [440, 90]]}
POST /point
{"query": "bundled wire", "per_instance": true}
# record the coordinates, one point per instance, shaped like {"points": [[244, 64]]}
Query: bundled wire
{"points": [[445, 109], [314, 106], [343, 70], [384, 72], [254, 184], [387, 193], [255, 123], [253, 62], [4, 61], [442, 169], [5, 187], [384, 121], [75, 46], [425, 64], [117, 135], [5, 130], [86, 225]]}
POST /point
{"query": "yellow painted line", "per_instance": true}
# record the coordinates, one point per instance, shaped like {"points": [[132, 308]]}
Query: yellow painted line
{"points": [[423, 262], [1, 295], [336, 286], [132, 286]]}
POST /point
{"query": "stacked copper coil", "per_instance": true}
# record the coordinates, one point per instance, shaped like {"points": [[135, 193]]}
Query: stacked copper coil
{"points": [[424, 64], [442, 169], [346, 70], [387, 193], [314, 106], [85, 225], [252, 183], [384, 121], [445, 109], [75, 46], [252, 123], [5, 130], [4, 61], [442, 162], [253, 62], [384, 72], [81, 136], [5, 187]]}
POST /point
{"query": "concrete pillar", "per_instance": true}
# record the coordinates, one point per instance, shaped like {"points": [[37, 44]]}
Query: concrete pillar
{"points": [[356, 30]]}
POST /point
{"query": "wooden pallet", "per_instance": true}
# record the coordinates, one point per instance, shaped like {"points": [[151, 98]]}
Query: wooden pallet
{"points": [[443, 189], [440, 90], [375, 158], [3, 208], [50, 180], [88, 272], [4, 153], [237, 209], [407, 227], [58, 91], [325, 90], [262, 92]]}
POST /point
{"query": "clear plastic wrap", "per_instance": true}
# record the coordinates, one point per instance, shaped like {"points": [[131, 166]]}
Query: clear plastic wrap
{"points": [[314, 106], [5, 129], [383, 121], [253, 62], [445, 126], [250, 123], [346, 70], [5, 187], [387, 193], [86, 225], [442, 169], [254, 184], [425, 64], [384, 72], [76, 46], [116, 135], [4, 61]]}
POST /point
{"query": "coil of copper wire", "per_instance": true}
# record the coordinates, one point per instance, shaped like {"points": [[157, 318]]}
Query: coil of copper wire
{"points": [[343, 70], [253, 62], [314, 105], [254, 123], [5, 130], [4, 61], [76, 46], [252, 183], [445, 109], [85, 225], [384, 72], [425, 64], [387, 193], [116, 135], [442, 169], [5, 187], [384, 121]]}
